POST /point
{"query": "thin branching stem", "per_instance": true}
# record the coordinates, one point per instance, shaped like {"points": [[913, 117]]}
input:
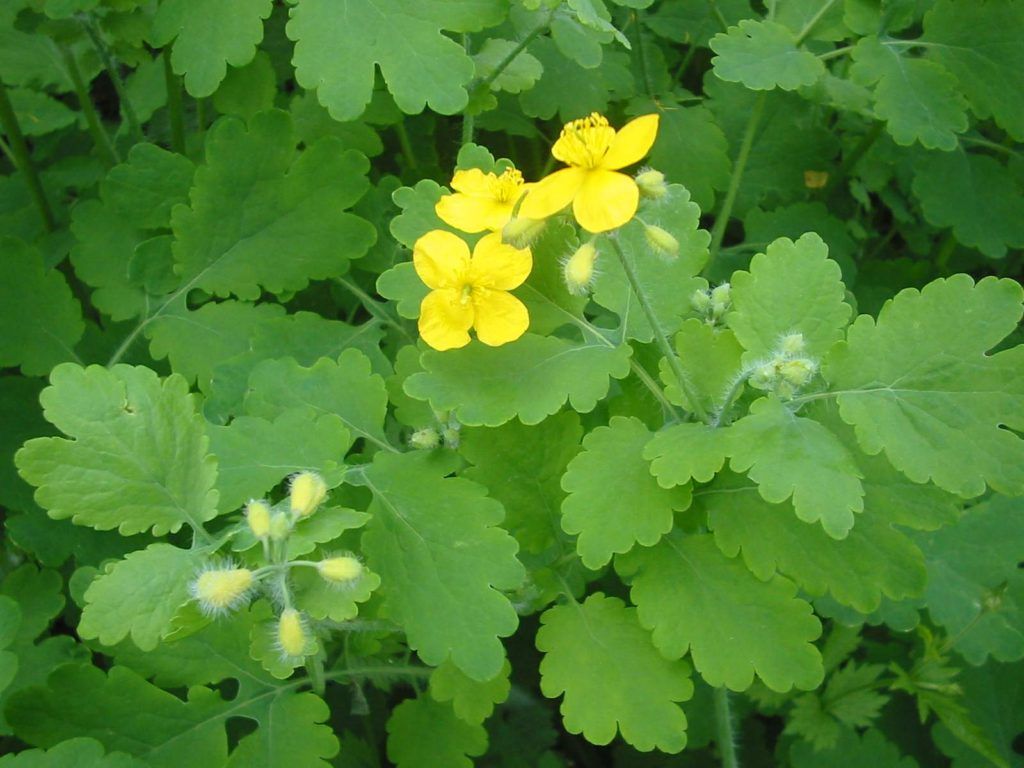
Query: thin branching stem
{"points": [[103, 51], [17, 151]]}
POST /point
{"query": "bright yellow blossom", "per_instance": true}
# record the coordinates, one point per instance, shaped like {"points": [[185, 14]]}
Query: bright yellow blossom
{"points": [[470, 291], [481, 200], [601, 197]]}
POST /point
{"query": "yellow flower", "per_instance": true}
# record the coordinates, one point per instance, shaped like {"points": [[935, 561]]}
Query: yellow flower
{"points": [[601, 198], [470, 291], [481, 200]]}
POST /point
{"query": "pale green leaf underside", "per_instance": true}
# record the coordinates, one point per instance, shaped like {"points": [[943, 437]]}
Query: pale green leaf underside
{"points": [[598, 656]]}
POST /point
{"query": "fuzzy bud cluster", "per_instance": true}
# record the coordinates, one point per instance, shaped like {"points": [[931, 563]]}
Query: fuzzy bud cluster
{"points": [[788, 371], [713, 303]]}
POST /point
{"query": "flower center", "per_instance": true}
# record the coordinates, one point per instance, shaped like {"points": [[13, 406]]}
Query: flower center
{"points": [[584, 142], [505, 188], [466, 294]]}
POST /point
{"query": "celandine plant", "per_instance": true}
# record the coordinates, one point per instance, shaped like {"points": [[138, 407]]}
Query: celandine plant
{"points": [[688, 436]]}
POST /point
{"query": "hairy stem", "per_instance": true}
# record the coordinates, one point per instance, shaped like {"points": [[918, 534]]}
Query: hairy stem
{"points": [[92, 119], [22, 159], [406, 146], [724, 729], [659, 334], [722, 221], [103, 50]]}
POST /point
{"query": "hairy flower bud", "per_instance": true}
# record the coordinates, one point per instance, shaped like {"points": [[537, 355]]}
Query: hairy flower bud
{"points": [[308, 491], [651, 183], [662, 241], [700, 300], [257, 515], [344, 568], [521, 232], [797, 372], [763, 377], [291, 633], [792, 344], [426, 438], [218, 590], [280, 527], [578, 269]]}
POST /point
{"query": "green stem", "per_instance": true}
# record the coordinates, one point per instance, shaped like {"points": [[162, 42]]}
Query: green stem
{"points": [[659, 334], [718, 231], [374, 307], [836, 53], [511, 56], [382, 670], [730, 397], [684, 64], [813, 21], [946, 248], [648, 381], [174, 105], [103, 50], [723, 726], [92, 119], [22, 159], [641, 57], [315, 670], [406, 146], [468, 120], [716, 11]]}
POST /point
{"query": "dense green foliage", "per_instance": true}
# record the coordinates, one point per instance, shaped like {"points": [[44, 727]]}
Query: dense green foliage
{"points": [[753, 494]]}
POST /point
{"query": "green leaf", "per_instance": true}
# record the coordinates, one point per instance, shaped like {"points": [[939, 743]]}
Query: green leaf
{"points": [[247, 90], [423, 734], [975, 195], [787, 455], [38, 113], [472, 701], [873, 560], [292, 732], [764, 55], [522, 468], [73, 753], [794, 220], [254, 454], [852, 751], [545, 294], [519, 75], [612, 468], [345, 389], [695, 23], [304, 336], [148, 185], [599, 657], [418, 214], [793, 287], [975, 590], [138, 596], [323, 600], [568, 89], [689, 451], [663, 280], [243, 216], [980, 44], [694, 598], [918, 384], [196, 341], [918, 99], [40, 319], [530, 378], [692, 150], [441, 557], [208, 38], [137, 457], [340, 43]]}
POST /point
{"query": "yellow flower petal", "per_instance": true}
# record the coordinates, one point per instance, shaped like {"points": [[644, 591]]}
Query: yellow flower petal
{"points": [[500, 317], [473, 214], [607, 200], [631, 143], [498, 265], [552, 193], [441, 259], [584, 142], [445, 319], [473, 181]]}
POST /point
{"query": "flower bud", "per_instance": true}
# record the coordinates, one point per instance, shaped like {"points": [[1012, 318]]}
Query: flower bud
{"points": [[219, 590], [340, 569], [578, 269], [763, 377], [797, 372], [451, 436], [662, 241], [425, 439], [257, 515], [652, 183], [792, 344], [521, 232], [280, 527], [291, 633], [308, 491], [722, 294], [700, 300]]}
